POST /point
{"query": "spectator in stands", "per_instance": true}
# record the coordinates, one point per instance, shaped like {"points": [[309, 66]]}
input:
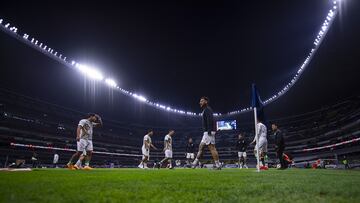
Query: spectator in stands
{"points": [[279, 145]]}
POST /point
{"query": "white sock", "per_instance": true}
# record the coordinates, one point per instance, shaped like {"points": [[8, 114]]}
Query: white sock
{"points": [[217, 163], [78, 163], [196, 161]]}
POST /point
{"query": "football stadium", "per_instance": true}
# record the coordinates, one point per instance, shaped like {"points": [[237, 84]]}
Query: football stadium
{"points": [[180, 101]]}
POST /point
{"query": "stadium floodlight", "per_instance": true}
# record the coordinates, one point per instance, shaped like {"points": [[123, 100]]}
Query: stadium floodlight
{"points": [[110, 82], [93, 73], [89, 71], [139, 97]]}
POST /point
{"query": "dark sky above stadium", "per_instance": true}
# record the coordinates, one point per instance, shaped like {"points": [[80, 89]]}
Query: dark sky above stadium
{"points": [[176, 51]]}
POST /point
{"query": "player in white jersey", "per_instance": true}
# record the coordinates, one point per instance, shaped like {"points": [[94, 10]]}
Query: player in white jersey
{"points": [[84, 135], [56, 160], [147, 144], [168, 150], [262, 135], [78, 164]]}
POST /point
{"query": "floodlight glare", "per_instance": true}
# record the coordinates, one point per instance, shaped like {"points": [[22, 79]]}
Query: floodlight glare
{"points": [[90, 72], [95, 74], [110, 82], [139, 97]]}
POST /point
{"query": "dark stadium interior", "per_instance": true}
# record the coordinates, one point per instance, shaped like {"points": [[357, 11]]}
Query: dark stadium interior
{"points": [[175, 53]]}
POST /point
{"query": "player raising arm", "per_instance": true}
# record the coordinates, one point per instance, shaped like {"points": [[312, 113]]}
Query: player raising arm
{"points": [[84, 135]]}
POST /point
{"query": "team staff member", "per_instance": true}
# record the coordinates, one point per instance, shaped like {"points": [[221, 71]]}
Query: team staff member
{"points": [[279, 145]]}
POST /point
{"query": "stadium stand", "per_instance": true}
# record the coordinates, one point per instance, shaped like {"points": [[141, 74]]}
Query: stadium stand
{"points": [[32, 122]]}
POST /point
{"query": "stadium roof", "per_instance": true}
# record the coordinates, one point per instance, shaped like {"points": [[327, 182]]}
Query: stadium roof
{"points": [[176, 52]]}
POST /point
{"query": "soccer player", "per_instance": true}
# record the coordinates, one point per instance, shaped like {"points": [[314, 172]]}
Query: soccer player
{"points": [[78, 164], [56, 160], [241, 146], [190, 151], [209, 131], [84, 135], [261, 133], [146, 149], [168, 150], [279, 145]]}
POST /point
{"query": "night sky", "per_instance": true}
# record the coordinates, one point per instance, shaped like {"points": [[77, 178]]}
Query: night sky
{"points": [[175, 52]]}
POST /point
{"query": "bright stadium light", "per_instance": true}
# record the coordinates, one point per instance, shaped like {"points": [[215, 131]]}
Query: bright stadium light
{"points": [[139, 97], [110, 82], [95, 74], [90, 72]]}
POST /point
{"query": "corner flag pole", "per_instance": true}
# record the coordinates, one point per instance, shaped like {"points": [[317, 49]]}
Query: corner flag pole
{"points": [[257, 142]]}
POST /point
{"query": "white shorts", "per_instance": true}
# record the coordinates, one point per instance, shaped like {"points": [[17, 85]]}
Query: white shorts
{"points": [[84, 145], [145, 152], [190, 155], [208, 139], [262, 145], [168, 153], [242, 154]]}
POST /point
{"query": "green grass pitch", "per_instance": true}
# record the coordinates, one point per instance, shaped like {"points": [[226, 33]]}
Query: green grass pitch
{"points": [[180, 185]]}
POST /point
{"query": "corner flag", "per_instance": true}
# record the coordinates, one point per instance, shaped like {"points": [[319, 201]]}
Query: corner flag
{"points": [[257, 105]]}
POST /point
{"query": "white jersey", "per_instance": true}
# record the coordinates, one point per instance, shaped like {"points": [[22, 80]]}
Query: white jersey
{"points": [[88, 126], [56, 158], [147, 138], [168, 142], [261, 132]]}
